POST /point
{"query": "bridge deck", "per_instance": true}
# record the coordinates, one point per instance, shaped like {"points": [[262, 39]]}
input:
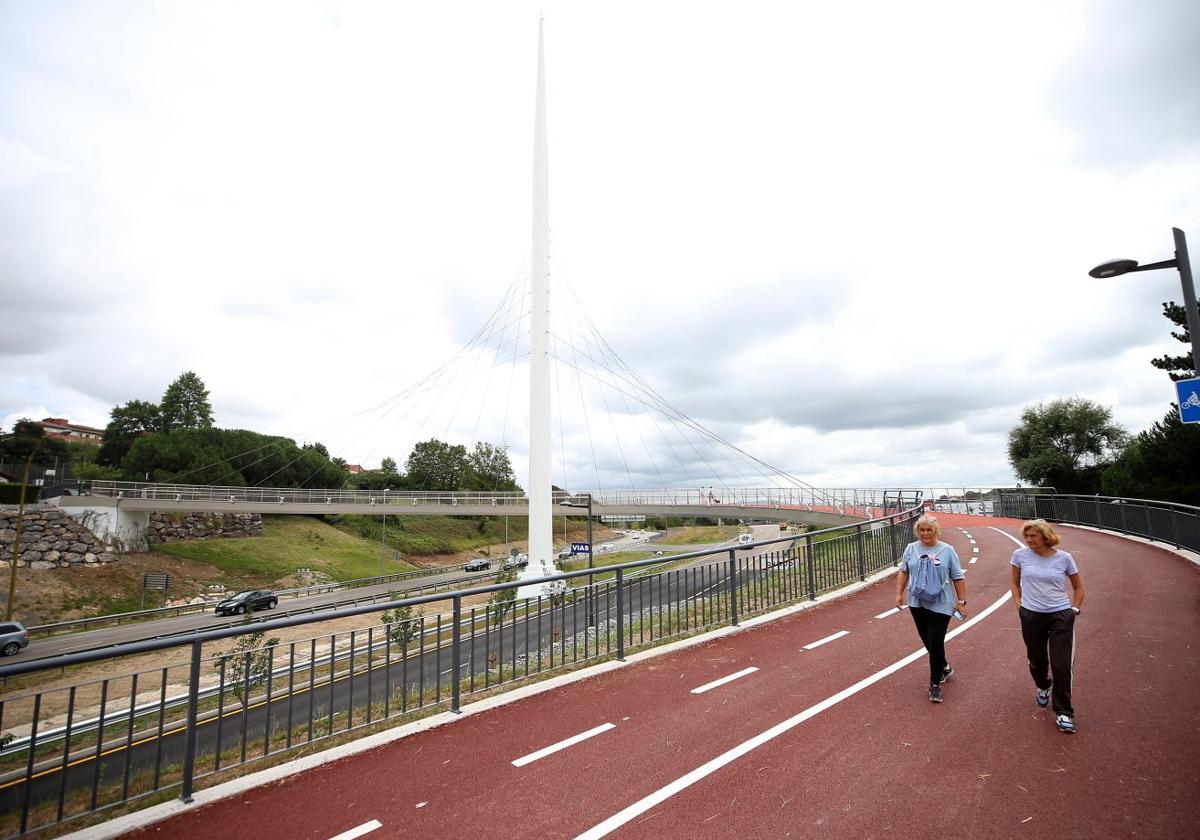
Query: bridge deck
{"points": [[786, 750]]}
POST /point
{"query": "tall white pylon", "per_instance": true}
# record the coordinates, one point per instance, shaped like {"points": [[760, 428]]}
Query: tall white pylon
{"points": [[541, 540]]}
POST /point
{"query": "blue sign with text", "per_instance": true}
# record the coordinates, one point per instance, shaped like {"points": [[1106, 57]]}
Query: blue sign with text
{"points": [[1189, 399], [579, 548]]}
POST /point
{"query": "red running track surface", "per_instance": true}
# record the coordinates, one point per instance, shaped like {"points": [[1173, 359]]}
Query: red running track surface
{"points": [[883, 762]]}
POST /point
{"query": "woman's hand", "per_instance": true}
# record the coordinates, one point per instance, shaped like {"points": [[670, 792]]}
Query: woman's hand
{"points": [[962, 610], [900, 602]]}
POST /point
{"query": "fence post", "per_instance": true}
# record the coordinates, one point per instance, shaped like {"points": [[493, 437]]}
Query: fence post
{"points": [[733, 611], [812, 574], [862, 553], [892, 524], [456, 657], [620, 616], [189, 732]]}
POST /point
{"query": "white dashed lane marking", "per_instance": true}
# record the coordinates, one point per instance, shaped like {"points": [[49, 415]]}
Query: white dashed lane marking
{"points": [[562, 745], [826, 640], [723, 680], [365, 828], [892, 611]]}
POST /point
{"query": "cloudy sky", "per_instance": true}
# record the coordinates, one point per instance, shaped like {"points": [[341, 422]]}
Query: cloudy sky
{"points": [[852, 239]]}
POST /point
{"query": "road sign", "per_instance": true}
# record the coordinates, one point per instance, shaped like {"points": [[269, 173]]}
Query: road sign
{"points": [[153, 580], [579, 548], [1189, 399]]}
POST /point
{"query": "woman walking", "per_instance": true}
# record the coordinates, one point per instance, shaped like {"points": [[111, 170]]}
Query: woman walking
{"points": [[927, 568], [1040, 573]]}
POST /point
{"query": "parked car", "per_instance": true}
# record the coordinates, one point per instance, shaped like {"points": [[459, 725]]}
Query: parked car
{"points": [[13, 637], [251, 599], [482, 564]]}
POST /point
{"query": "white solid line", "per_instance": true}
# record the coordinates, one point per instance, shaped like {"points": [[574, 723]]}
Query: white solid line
{"points": [[723, 680], [562, 745], [365, 828], [1010, 536], [664, 793], [826, 640], [892, 611]]}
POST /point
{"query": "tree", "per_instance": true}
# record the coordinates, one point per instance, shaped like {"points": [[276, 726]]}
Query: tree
{"points": [[125, 425], [29, 438], [503, 600], [388, 466], [185, 405], [318, 447], [248, 662], [1065, 444], [1160, 463], [401, 623], [1177, 367], [434, 465], [488, 468]]}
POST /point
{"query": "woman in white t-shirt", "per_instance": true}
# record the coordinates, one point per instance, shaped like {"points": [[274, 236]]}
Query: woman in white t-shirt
{"points": [[1047, 610]]}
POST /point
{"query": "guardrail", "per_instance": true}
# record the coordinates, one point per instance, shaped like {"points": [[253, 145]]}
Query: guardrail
{"points": [[187, 609], [271, 700], [1167, 522]]}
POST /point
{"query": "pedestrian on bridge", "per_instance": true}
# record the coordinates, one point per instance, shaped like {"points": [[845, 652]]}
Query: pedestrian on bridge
{"points": [[1047, 611], [931, 585]]}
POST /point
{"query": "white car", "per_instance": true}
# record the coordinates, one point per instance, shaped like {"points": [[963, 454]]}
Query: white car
{"points": [[745, 539]]}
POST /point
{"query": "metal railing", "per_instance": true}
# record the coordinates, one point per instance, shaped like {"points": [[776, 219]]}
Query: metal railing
{"points": [[91, 745], [189, 609], [1167, 522]]}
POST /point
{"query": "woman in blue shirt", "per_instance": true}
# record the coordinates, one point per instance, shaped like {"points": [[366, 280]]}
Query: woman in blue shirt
{"points": [[1040, 573], [931, 612]]}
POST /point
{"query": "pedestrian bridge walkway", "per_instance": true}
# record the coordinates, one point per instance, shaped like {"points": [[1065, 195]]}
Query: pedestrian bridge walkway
{"points": [[808, 722]]}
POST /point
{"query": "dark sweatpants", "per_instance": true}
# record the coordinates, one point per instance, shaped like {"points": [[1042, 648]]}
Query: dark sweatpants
{"points": [[1053, 632], [932, 626]]}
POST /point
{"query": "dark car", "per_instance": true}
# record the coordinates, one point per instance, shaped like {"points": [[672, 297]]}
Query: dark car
{"points": [[251, 599], [480, 565], [13, 637], [520, 561]]}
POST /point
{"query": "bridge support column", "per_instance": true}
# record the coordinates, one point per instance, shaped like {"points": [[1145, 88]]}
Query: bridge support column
{"points": [[124, 528]]}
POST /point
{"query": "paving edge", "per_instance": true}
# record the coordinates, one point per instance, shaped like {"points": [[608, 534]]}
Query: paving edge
{"points": [[121, 825]]}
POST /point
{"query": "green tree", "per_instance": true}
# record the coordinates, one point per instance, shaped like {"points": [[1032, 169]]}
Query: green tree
{"points": [[234, 457], [488, 468], [388, 466], [185, 404], [402, 623], [317, 447], [434, 465], [504, 600], [1177, 367], [29, 438], [1066, 444], [248, 662], [1160, 463], [125, 425]]}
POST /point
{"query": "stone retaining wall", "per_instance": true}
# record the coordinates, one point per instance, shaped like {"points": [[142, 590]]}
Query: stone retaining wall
{"points": [[50, 538], [175, 527]]}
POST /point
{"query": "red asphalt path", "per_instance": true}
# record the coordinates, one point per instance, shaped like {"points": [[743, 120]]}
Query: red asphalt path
{"points": [[882, 762]]}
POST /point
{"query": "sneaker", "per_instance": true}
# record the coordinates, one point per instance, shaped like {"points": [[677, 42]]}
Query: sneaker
{"points": [[1065, 724], [947, 673], [935, 694], [1043, 697]]}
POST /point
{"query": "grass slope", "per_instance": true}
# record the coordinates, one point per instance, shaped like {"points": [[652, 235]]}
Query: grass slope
{"points": [[289, 543]]}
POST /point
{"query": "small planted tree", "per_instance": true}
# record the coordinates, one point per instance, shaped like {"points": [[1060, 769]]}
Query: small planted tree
{"points": [[248, 662], [402, 623], [504, 600]]}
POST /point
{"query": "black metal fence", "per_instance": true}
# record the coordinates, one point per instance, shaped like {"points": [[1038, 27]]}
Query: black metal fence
{"points": [[75, 746], [1166, 522]]}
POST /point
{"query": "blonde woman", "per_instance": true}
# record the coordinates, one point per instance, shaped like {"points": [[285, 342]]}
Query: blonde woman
{"points": [[931, 608], [1047, 610]]}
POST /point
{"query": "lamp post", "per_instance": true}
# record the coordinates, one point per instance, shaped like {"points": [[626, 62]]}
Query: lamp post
{"points": [[383, 538], [1181, 262]]}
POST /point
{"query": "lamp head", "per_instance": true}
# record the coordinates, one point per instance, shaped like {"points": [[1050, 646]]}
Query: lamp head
{"points": [[1113, 267]]}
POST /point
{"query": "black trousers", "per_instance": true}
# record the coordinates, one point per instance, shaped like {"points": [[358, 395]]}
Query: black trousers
{"points": [[931, 626], [1050, 642]]}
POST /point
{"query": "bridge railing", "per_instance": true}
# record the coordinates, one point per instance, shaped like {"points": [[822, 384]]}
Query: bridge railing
{"points": [[1167, 522], [232, 698]]}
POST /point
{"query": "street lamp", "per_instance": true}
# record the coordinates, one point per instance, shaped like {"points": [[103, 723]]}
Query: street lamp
{"points": [[1114, 267]]}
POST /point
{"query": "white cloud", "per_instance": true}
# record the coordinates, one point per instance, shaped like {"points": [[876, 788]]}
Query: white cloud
{"points": [[852, 238]]}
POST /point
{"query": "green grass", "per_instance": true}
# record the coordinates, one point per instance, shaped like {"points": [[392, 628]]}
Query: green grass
{"points": [[701, 534], [289, 543]]}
